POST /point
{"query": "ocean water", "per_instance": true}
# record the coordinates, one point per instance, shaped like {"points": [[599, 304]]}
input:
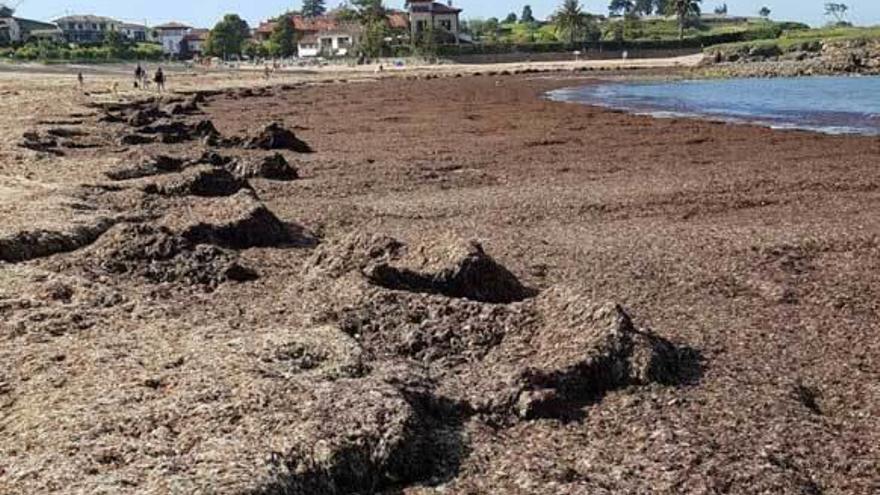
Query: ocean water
{"points": [[833, 105]]}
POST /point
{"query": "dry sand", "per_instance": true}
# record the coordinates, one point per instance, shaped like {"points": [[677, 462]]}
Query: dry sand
{"points": [[654, 306]]}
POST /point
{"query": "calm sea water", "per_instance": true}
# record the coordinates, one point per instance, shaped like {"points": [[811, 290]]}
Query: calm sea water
{"points": [[834, 105]]}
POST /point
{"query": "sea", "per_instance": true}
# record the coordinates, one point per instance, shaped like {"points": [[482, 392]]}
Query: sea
{"points": [[831, 105]]}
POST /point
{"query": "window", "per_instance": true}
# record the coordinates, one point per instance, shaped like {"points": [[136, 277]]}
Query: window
{"points": [[447, 25], [421, 26], [344, 41]]}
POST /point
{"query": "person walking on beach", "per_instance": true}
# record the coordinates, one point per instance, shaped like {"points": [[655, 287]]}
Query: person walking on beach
{"points": [[139, 75], [81, 80], [159, 79]]}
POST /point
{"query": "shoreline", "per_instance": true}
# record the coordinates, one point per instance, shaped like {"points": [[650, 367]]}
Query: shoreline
{"points": [[656, 110]]}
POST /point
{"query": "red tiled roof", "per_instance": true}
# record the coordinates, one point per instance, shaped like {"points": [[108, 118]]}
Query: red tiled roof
{"points": [[327, 23]]}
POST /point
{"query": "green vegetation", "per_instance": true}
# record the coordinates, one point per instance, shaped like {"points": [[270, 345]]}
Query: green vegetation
{"points": [[313, 8], [282, 43], [810, 40], [61, 52], [228, 37]]}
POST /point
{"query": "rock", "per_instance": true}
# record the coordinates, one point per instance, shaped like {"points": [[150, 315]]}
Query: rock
{"points": [[276, 137], [274, 167], [202, 180]]}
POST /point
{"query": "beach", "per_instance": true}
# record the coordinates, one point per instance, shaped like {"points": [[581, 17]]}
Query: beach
{"points": [[648, 305]]}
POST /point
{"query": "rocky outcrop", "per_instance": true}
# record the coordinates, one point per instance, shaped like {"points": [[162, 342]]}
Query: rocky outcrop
{"points": [[769, 59]]}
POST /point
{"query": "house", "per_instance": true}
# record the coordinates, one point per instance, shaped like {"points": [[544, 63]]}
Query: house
{"points": [[86, 28], [194, 42], [17, 30], [326, 36], [332, 43], [137, 33], [170, 35], [426, 15]]}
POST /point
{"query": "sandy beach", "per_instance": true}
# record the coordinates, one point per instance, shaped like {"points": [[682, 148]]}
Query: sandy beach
{"points": [[462, 288]]}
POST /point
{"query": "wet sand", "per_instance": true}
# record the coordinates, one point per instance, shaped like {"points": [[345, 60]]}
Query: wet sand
{"points": [[755, 249]]}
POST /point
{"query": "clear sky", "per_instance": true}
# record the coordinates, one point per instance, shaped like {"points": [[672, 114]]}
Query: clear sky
{"points": [[204, 13]]}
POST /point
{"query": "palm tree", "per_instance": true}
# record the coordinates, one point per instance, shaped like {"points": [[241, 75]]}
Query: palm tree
{"points": [[571, 20], [684, 10]]}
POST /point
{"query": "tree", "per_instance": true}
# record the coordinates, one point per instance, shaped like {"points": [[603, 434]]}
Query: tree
{"points": [[313, 8], [837, 10], [764, 12], [721, 9], [371, 15], [571, 21], [283, 38], [115, 41], [510, 19], [621, 7], [527, 17], [228, 36], [684, 10], [644, 7], [369, 11]]}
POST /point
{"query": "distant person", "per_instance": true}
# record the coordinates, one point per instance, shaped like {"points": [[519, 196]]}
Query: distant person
{"points": [[139, 75], [81, 80], [625, 55], [266, 72], [159, 79]]}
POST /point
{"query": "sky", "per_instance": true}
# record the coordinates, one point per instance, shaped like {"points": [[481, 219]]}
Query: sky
{"points": [[204, 13]]}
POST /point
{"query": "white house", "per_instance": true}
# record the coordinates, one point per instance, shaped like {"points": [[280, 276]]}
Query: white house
{"points": [[15, 29], [170, 36], [328, 43], [87, 28], [134, 32], [427, 15]]}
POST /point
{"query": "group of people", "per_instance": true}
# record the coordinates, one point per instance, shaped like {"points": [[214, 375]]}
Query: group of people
{"points": [[142, 79]]}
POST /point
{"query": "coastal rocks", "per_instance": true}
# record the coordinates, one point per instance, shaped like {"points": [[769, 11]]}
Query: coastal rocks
{"points": [[276, 137], [240, 221], [273, 167], [806, 58]]}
